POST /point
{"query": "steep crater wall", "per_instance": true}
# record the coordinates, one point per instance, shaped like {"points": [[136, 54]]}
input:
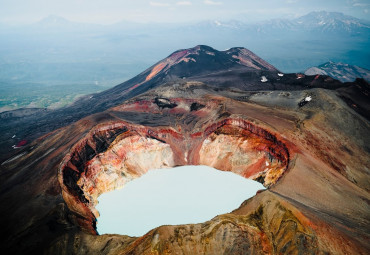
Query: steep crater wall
{"points": [[240, 147], [113, 154]]}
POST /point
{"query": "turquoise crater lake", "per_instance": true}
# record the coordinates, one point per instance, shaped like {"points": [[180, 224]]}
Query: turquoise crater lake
{"points": [[172, 196]]}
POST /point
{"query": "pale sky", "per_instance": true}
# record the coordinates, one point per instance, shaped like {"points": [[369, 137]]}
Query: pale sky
{"points": [[181, 195], [111, 11]]}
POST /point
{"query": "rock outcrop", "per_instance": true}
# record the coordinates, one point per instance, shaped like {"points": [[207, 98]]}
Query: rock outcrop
{"points": [[340, 71]]}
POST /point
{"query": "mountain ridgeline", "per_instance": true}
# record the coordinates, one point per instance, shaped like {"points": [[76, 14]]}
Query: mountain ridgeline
{"points": [[235, 68]]}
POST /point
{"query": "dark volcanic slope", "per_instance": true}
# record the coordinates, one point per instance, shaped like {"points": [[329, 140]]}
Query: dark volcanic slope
{"points": [[304, 137], [236, 68], [183, 63]]}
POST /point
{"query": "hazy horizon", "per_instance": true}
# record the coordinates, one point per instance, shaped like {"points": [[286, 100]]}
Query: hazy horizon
{"points": [[161, 11], [50, 63]]}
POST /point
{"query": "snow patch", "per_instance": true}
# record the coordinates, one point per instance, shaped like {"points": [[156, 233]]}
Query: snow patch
{"points": [[308, 99], [280, 74], [264, 79]]}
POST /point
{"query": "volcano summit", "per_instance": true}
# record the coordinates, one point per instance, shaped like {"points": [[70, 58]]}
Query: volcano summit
{"points": [[305, 138]]}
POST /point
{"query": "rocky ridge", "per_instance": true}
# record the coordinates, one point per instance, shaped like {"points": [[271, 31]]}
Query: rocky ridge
{"points": [[340, 71]]}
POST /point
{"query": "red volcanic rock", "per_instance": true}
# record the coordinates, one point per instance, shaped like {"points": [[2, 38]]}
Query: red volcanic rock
{"points": [[94, 167], [21, 143]]}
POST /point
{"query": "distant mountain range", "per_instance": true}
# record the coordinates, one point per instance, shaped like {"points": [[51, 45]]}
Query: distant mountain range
{"points": [[322, 21], [340, 71], [54, 20]]}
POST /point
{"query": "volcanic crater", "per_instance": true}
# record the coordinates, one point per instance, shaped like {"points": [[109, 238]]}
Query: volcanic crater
{"points": [[111, 155]]}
